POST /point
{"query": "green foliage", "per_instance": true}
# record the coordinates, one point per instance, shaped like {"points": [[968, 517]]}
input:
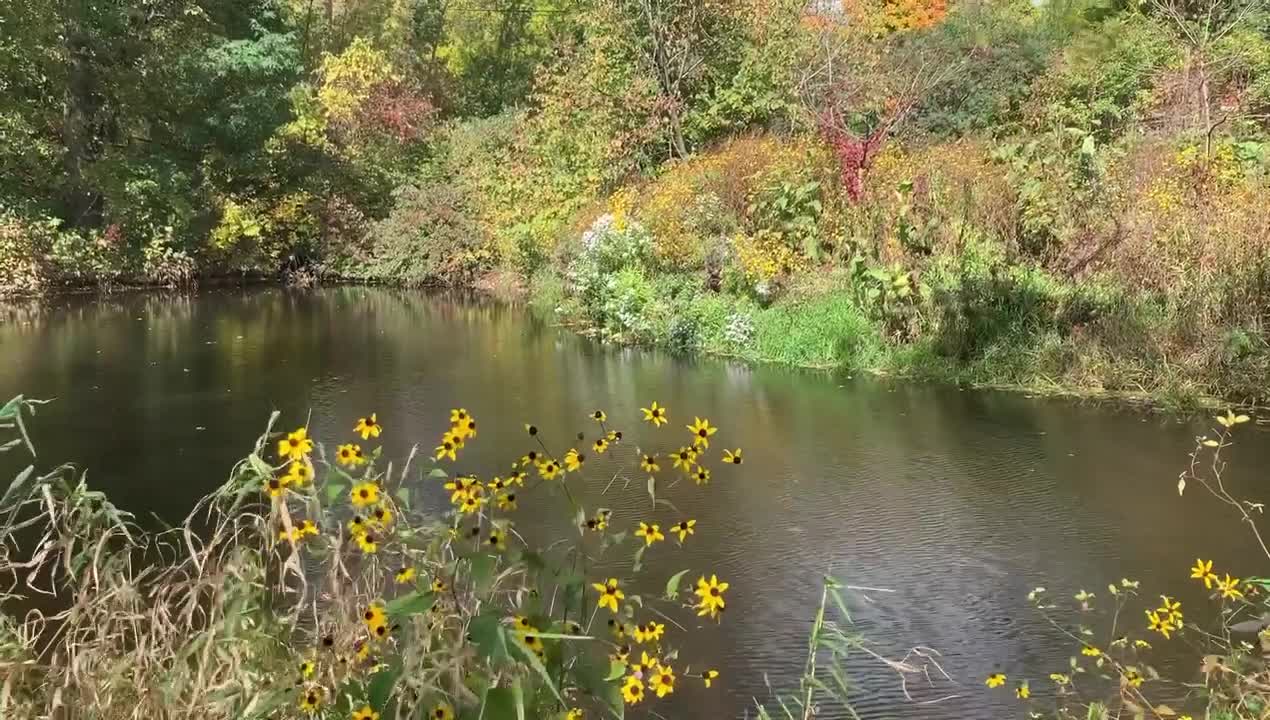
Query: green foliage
{"points": [[429, 238]]}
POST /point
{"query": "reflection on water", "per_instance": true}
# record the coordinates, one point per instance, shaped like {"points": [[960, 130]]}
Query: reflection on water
{"points": [[958, 503]]}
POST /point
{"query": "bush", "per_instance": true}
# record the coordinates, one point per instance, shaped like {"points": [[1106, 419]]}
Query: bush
{"points": [[429, 238], [24, 250]]}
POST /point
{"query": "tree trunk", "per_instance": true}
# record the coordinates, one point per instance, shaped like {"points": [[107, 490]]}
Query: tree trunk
{"points": [[81, 206]]}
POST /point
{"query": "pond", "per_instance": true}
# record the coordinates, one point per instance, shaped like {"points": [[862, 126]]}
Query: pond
{"points": [[956, 503]]}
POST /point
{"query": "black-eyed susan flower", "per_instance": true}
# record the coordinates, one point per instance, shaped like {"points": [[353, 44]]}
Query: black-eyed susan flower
{"points": [[1203, 571], [1132, 677], [995, 680], [497, 540], [573, 714], [366, 713], [1172, 609], [650, 533], [466, 429], [275, 486], [1229, 587], [506, 501], [523, 624], [549, 470], [655, 415], [497, 484], [471, 504], [701, 476], [364, 494], [368, 427], [1159, 624], [368, 543], [646, 666], [610, 594], [294, 534], [405, 575], [308, 527], [532, 430], [458, 415], [517, 478], [648, 464], [311, 698], [621, 653], [379, 631], [632, 690], [651, 631], [463, 486], [618, 628], [684, 458], [701, 432], [357, 525], [732, 456], [448, 449], [711, 595], [573, 460], [599, 416], [600, 446], [381, 516], [299, 472], [534, 643], [441, 711], [350, 455], [663, 681], [1060, 679], [684, 528], [1090, 651], [439, 586], [361, 650], [1022, 691], [307, 669], [614, 436], [709, 676], [295, 445]]}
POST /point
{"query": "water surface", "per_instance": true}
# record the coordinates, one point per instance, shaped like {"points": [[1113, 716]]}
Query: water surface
{"points": [[957, 502]]}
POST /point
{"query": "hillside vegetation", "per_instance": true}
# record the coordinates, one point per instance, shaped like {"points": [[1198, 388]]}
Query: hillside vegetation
{"points": [[1058, 195]]}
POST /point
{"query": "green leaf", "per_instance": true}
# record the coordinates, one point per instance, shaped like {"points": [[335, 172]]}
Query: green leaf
{"points": [[381, 684], [639, 559], [500, 704], [482, 567], [617, 669], [334, 490], [438, 473], [672, 585], [652, 489], [410, 604], [538, 667], [490, 637]]}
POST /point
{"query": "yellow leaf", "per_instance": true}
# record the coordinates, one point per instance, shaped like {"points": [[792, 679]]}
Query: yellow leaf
{"points": [[1241, 419], [1165, 711]]}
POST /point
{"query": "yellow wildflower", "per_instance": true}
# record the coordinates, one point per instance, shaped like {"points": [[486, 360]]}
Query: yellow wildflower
{"points": [[709, 676], [610, 594], [701, 476], [1203, 571], [295, 445], [711, 596], [1023, 692], [732, 456], [600, 445], [684, 458], [632, 690], [368, 427], [995, 680], [311, 698], [655, 415], [350, 455], [1229, 587], [573, 460], [599, 416], [549, 470], [506, 501], [442, 711], [701, 432], [663, 681], [405, 575], [364, 494], [684, 528], [648, 464], [366, 713], [650, 533]]}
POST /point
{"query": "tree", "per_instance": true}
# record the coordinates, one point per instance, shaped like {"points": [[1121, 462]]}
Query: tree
{"points": [[1203, 26]]}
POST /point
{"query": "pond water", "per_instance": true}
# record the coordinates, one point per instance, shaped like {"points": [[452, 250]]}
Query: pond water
{"points": [[957, 502]]}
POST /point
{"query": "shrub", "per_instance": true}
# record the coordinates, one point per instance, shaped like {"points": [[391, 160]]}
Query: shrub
{"points": [[430, 237], [24, 251]]}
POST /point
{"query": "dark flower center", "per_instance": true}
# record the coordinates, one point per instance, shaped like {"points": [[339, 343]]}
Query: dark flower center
{"points": [[365, 493], [714, 592]]}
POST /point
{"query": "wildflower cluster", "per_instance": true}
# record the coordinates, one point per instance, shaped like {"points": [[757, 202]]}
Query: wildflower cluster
{"points": [[412, 596]]}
